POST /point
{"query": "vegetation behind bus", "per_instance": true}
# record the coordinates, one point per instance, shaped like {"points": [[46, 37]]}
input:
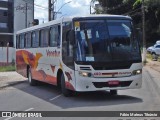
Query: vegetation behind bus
{"points": [[133, 9], [7, 68]]}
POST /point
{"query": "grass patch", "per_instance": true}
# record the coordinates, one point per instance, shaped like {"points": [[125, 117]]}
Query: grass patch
{"points": [[7, 68], [145, 62], [149, 56]]}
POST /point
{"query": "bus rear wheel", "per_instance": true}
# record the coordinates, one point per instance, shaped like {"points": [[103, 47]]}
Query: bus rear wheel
{"points": [[30, 80], [65, 91]]}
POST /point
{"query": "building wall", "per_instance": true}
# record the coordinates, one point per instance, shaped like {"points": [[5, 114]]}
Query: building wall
{"points": [[13, 18], [6, 15], [23, 19], [3, 4], [6, 23]]}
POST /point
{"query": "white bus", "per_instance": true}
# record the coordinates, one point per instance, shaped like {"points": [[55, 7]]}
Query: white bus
{"points": [[89, 53]]}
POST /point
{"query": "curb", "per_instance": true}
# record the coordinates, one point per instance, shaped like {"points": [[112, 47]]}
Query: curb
{"points": [[12, 84]]}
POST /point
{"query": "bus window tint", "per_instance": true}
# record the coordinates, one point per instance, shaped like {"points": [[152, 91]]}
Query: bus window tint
{"points": [[21, 42], [28, 40], [35, 39], [44, 37], [54, 36]]}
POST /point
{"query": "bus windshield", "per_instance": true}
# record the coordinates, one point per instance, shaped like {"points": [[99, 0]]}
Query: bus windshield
{"points": [[105, 41]]}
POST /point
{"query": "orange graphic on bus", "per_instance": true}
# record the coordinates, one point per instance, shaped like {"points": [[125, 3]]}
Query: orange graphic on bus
{"points": [[31, 59]]}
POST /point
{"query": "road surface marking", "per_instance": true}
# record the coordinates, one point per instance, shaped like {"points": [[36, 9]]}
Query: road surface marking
{"points": [[29, 109], [55, 97], [24, 111]]}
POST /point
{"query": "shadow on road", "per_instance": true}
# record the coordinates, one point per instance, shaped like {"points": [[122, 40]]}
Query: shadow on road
{"points": [[102, 98]]}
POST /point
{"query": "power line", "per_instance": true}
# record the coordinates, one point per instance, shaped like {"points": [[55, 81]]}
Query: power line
{"points": [[26, 1], [41, 6]]}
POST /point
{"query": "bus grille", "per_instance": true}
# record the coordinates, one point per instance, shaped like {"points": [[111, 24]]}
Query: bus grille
{"points": [[105, 84]]}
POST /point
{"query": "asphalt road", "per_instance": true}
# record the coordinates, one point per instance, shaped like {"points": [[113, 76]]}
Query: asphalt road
{"points": [[22, 97]]}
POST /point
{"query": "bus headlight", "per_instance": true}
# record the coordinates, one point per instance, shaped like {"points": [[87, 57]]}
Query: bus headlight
{"points": [[137, 72], [85, 74]]}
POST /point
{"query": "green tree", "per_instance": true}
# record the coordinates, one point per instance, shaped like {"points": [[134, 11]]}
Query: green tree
{"points": [[133, 9]]}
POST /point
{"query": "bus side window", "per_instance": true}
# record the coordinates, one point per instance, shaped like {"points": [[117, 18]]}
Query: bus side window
{"points": [[21, 41], [28, 40], [44, 37], [66, 27], [67, 49], [35, 39], [54, 36]]}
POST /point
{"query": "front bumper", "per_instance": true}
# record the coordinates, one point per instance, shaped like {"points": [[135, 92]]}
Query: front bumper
{"points": [[99, 84]]}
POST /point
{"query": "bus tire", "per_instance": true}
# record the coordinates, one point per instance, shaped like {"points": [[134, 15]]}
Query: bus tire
{"points": [[65, 91], [113, 92], [30, 80]]}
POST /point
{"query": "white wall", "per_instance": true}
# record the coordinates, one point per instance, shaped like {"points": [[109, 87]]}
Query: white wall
{"points": [[19, 23], [3, 54]]}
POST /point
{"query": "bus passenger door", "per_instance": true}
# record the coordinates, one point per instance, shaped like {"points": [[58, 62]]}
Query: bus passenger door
{"points": [[53, 53], [68, 55]]}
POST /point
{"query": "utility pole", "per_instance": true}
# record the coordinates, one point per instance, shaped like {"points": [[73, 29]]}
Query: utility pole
{"points": [[52, 6], [26, 17], [144, 38], [49, 10]]}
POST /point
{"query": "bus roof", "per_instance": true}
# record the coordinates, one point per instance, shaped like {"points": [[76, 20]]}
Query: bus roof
{"points": [[70, 18]]}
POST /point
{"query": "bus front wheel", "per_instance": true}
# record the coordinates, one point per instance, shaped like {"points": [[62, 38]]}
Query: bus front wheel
{"points": [[65, 91], [30, 80]]}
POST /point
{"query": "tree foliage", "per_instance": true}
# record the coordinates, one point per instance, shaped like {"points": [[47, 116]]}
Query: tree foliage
{"points": [[133, 9]]}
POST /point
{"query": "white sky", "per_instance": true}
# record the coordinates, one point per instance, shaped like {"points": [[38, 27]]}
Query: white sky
{"points": [[75, 7]]}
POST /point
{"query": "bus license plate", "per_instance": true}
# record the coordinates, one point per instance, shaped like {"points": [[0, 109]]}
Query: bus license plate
{"points": [[113, 83]]}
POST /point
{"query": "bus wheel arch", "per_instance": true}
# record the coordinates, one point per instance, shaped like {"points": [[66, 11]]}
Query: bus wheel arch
{"points": [[61, 82]]}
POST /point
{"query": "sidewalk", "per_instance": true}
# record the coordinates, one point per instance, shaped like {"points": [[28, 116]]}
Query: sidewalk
{"points": [[10, 78], [153, 69], [155, 65]]}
